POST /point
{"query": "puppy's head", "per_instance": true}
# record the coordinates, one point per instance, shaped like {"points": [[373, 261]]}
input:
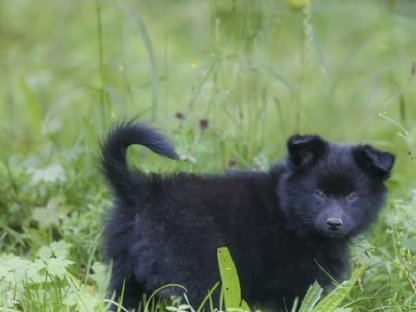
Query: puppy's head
{"points": [[332, 190]]}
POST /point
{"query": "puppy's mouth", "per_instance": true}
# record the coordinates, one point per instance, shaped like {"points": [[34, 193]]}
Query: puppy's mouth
{"points": [[338, 234], [332, 233]]}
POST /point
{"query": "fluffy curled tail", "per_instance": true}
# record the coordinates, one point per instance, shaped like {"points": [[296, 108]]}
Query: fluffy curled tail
{"points": [[114, 148]]}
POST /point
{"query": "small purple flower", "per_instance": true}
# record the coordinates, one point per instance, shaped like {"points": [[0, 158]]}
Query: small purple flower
{"points": [[203, 124], [180, 115]]}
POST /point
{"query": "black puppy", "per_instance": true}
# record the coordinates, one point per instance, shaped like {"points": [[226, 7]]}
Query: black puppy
{"points": [[283, 227]]}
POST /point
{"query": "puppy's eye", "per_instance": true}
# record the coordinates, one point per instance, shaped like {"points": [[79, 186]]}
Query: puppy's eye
{"points": [[319, 194], [352, 196]]}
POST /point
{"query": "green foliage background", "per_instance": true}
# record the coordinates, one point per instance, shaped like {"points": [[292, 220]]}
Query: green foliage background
{"points": [[254, 71]]}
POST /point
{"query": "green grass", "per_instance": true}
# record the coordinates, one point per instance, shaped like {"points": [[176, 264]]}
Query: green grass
{"points": [[258, 71]]}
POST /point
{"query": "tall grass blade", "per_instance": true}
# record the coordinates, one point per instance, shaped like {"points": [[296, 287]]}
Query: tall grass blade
{"points": [[144, 34], [98, 7], [208, 297]]}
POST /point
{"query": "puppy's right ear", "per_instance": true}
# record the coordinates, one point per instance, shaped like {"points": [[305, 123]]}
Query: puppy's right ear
{"points": [[305, 150]]}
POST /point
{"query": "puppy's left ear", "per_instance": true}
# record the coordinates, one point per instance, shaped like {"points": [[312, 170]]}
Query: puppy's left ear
{"points": [[305, 150], [373, 161]]}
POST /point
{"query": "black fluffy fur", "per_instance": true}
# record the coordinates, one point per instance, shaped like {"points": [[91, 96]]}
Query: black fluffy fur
{"points": [[281, 226]]}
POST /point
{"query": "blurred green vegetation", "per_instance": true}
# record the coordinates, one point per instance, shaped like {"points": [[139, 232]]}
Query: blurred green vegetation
{"points": [[254, 71]]}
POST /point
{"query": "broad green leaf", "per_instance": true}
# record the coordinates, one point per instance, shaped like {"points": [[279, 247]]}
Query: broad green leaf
{"points": [[49, 215], [100, 272], [311, 298], [335, 298], [230, 282], [55, 249], [57, 267], [51, 174], [244, 306]]}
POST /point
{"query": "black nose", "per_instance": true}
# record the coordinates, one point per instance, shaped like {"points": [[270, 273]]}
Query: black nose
{"points": [[334, 224]]}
